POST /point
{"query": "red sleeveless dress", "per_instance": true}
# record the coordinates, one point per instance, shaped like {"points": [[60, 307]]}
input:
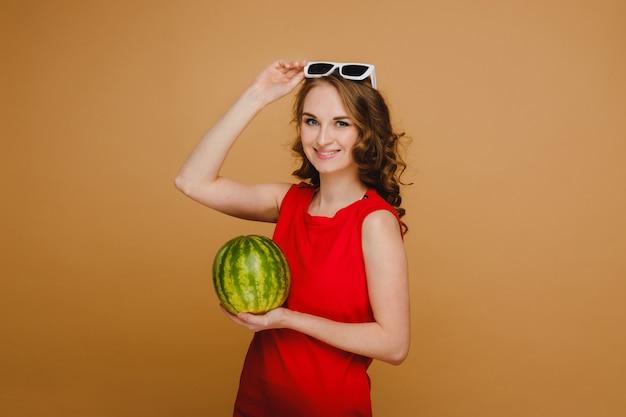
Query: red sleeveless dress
{"points": [[287, 373]]}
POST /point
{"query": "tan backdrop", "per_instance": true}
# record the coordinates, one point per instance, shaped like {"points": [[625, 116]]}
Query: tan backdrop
{"points": [[518, 158]]}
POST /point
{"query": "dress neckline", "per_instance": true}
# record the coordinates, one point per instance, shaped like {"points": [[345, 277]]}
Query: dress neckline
{"points": [[338, 213]]}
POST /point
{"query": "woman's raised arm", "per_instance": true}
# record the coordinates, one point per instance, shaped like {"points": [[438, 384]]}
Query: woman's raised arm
{"points": [[199, 176]]}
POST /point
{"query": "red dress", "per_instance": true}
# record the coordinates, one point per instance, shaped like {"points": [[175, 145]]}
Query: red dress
{"points": [[287, 373]]}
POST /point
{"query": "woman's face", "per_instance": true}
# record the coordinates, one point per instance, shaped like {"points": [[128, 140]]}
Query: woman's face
{"points": [[327, 132]]}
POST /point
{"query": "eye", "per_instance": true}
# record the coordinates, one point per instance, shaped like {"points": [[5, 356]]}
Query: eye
{"points": [[310, 121], [342, 123]]}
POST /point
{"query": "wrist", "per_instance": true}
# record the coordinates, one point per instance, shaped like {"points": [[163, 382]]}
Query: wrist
{"points": [[256, 96], [285, 318]]}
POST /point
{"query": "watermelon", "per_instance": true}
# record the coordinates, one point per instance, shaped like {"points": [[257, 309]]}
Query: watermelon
{"points": [[251, 274]]}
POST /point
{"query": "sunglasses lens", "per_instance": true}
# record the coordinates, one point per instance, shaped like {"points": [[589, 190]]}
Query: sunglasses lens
{"points": [[354, 70], [320, 68]]}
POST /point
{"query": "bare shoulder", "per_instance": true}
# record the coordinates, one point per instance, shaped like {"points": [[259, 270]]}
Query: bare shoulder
{"points": [[279, 190], [381, 237], [265, 200], [381, 222]]}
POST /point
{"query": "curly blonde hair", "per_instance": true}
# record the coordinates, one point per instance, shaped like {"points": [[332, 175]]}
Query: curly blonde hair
{"points": [[376, 152]]}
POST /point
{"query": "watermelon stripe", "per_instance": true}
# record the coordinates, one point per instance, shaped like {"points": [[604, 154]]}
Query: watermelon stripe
{"points": [[220, 269], [250, 273]]}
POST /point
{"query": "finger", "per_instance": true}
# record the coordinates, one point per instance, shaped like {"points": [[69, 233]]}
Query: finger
{"points": [[296, 79], [283, 65], [295, 71], [299, 64], [294, 65], [228, 313], [246, 317], [253, 321]]}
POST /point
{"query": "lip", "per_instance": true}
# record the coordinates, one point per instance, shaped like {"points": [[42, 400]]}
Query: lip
{"points": [[326, 154]]}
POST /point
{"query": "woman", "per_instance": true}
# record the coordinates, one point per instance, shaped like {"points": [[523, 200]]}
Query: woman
{"points": [[341, 232]]}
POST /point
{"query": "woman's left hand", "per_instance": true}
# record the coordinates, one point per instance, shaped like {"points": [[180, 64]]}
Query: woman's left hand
{"points": [[256, 322]]}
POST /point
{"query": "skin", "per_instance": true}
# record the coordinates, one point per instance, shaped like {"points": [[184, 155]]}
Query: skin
{"points": [[328, 136]]}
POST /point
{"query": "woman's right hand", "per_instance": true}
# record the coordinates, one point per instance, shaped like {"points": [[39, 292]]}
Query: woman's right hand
{"points": [[278, 80]]}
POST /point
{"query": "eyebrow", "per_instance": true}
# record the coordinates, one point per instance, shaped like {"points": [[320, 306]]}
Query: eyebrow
{"points": [[334, 118]]}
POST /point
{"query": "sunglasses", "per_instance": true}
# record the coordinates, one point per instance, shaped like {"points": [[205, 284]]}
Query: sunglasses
{"points": [[349, 71]]}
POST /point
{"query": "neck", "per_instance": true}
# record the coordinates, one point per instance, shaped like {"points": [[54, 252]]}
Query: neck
{"points": [[336, 194]]}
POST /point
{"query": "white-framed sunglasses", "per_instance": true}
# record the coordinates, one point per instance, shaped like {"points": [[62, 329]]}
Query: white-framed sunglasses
{"points": [[348, 70]]}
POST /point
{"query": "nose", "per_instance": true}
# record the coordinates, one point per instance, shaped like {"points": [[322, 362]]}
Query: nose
{"points": [[324, 136]]}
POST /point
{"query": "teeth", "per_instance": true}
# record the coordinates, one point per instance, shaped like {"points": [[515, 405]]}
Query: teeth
{"points": [[327, 153]]}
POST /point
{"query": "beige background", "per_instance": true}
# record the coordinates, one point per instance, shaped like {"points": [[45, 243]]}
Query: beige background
{"points": [[516, 112]]}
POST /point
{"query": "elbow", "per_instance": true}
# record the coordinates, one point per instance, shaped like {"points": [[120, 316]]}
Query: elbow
{"points": [[182, 185], [398, 355], [395, 346], [179, 182], [397, 351]]}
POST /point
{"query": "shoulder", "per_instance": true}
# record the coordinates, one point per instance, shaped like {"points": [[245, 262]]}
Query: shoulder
{"points": [[382, 243], [381, 222], [304, 186], [301, 189], [380, 216], [295, 192], [375, 200]]}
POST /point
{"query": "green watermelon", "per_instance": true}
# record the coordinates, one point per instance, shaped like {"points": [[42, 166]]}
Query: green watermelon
{"points": [[251, 274]]}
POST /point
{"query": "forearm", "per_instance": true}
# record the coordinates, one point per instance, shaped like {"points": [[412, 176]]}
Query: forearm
{"points": [[368, 339], [387, 338], [205, 161]]}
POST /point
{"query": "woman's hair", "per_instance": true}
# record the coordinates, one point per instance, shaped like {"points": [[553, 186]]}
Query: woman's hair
{"points": [[376, 150]]}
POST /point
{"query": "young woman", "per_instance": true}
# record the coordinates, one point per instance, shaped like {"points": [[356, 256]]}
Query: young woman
{"points": [[341, 233]]}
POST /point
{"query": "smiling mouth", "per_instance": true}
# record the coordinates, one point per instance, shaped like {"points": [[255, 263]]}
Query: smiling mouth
{"points": [[326, 153]]}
